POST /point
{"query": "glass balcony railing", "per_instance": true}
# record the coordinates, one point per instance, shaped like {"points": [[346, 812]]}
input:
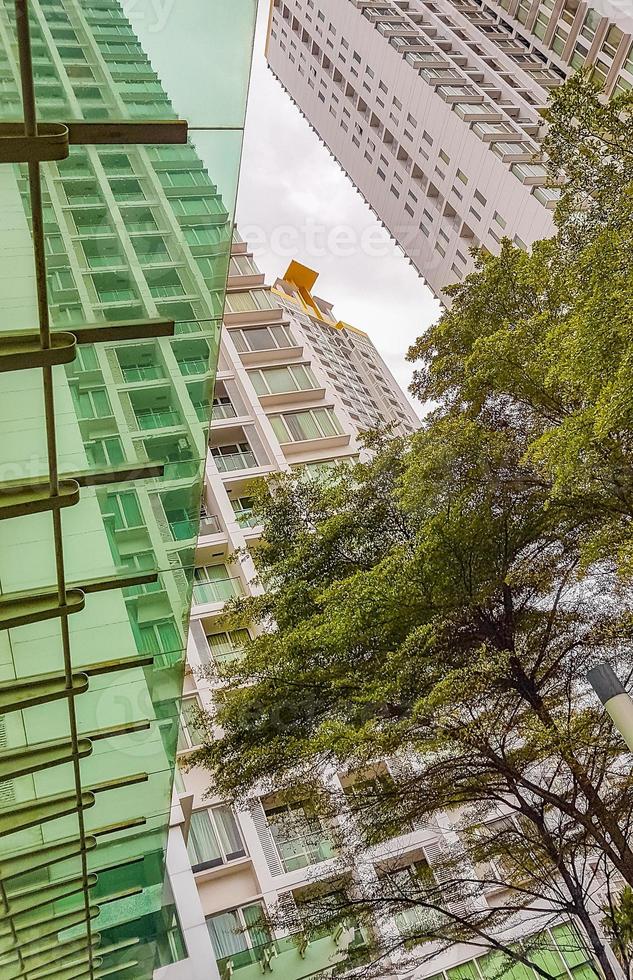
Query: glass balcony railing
{"points": [[209, 524], [245, 517], [219, 591], [236, 461], [301, 852], [223, 411], [296, 956], [143, 372], [157, 420]]}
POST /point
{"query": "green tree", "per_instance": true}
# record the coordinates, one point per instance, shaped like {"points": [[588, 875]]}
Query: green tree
{"points": [[618, 924], [542, 342], [438, 605], [427, 606]]}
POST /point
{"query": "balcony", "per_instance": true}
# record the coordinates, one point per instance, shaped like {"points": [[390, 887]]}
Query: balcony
{"points": [[207, 590], [223, 409], [293, 957], [209, 524], [231, 462], [300, 838], [154, 419]]}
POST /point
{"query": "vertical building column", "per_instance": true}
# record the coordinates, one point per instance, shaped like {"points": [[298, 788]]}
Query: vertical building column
{"points": [[200, 963]]}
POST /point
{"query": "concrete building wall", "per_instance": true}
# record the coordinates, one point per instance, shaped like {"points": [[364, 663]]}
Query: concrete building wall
{"points": [[432, 108], [349, 377]]}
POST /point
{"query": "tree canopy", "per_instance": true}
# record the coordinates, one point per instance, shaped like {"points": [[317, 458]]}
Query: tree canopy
{"points": [[438, 604]]}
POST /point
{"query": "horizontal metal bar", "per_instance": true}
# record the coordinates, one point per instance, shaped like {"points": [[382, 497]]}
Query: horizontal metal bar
{"points": [[109, 583], [84, 478], [34, 758], [24, 500], [120, 783], [51, 949], [119, 968], [118, 474], [38, 689], [122, 863], [30, 899], [118, 330], [50, 143], [74, 968], [118, 828], [44, 970], [23, 351], [33, 935], [112, 666], [127, 728], [18, 610], [126, 131], [84, 973], [44, 856], [25, 692], [21, 816]]}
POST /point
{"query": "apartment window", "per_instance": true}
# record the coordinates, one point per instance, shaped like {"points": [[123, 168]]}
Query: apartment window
{"points": [[196, 205], [114, 288], [91, 404], [262, 338], [625, 84], [238, 930], [317, 423], [585, 38], [543, 18], [228, 645], [249, 301], [276, 381], [190, 734], [124, 510], [608, 49], [499, 220], [479, 197], [214, 838], [213, 583], [461, 176], [299, 836]]}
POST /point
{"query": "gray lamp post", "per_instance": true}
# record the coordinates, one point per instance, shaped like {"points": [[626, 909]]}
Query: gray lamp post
{"points": [[617, 703]]}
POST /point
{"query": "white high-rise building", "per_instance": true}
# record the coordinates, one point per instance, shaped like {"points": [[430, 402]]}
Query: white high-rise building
{"points": [[294, 387], [432, 107]]}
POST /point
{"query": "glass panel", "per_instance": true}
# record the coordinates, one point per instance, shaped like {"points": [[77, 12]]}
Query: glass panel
{"points": [[229, 831], [113, 228], [203, 846]]}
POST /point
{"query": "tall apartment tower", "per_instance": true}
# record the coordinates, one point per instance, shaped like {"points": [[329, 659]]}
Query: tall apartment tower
{"points": [[114, 249], [432, 107], [295, 388]]}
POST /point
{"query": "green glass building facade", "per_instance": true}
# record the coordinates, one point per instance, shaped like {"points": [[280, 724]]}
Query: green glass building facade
{"points": [[108, 344]]}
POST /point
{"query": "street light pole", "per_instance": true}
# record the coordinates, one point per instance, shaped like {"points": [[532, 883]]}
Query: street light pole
{"points": [[617, 702]]}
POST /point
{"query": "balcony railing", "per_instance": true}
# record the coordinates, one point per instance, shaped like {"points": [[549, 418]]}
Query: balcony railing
{"points": [[209, 524], [220, 591], [236, 461], [223, 411], [157, 420], [301, 852], [294, 956], [245, 517]]}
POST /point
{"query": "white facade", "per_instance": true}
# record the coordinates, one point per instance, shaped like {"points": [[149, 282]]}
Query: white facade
{"points": [[432, 107], [282, 355]]}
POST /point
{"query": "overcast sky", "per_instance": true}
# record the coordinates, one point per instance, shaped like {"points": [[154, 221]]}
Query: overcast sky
{"points": [[295, 202]]}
